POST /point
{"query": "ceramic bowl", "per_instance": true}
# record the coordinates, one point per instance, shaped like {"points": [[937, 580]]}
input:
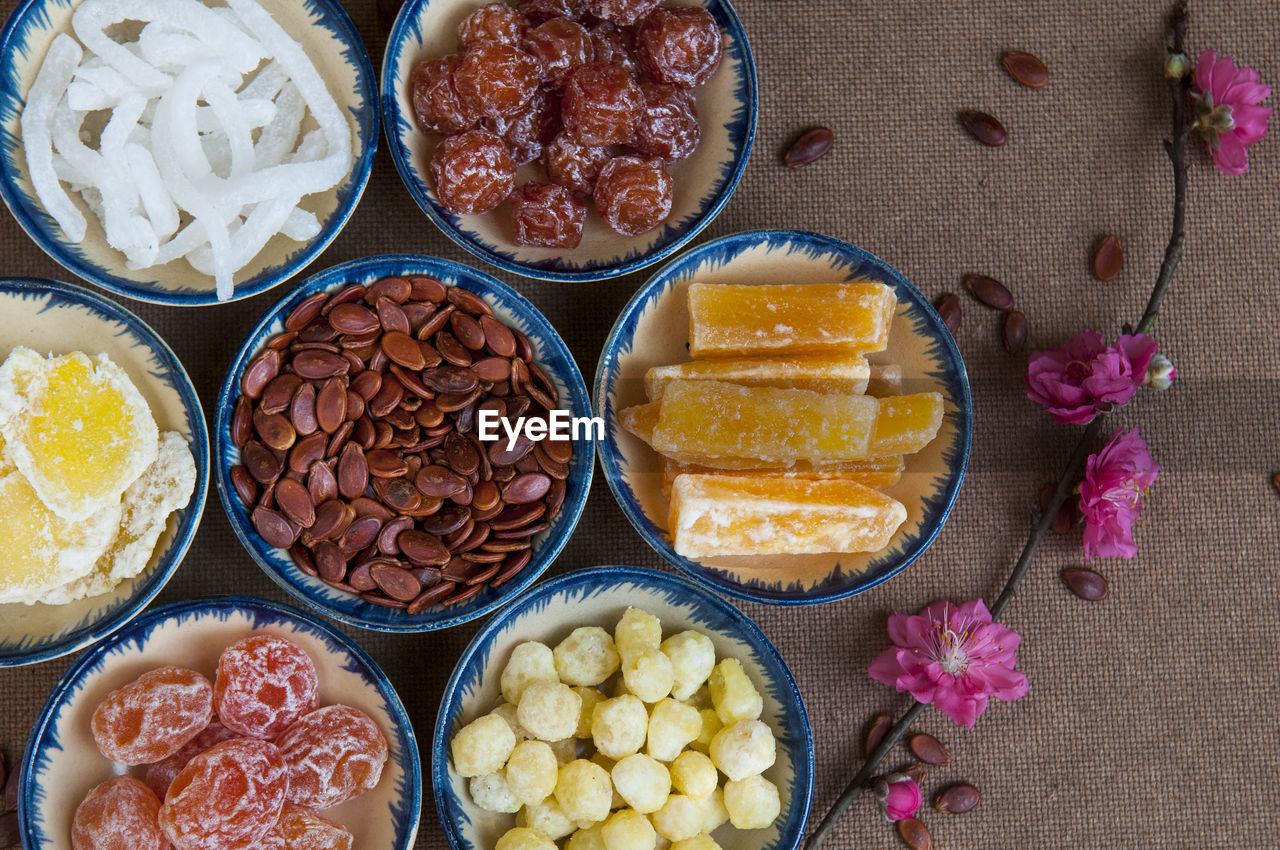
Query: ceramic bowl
{"points": [[727, 105], [62, 762], [59, 318], [328, 36], [653, 329], [598, 597], [551, 354]]}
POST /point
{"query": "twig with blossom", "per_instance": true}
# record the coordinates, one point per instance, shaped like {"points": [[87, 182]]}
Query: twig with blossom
{"points": [[1230, 119]]}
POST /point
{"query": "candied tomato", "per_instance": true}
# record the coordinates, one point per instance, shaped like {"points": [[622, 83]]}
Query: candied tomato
{"points": [[333, 754], [681, 46], [495, 79], [495, 22], [161, 774], [264, 684], [574, 165], [299, 829], [622, 12], [150, 718], [633, 194], [529, 131], [547, 215], [669, 126], [436, 104], [473, 172], [119, 814], [602, 104], [560, 45], [227, 797]]}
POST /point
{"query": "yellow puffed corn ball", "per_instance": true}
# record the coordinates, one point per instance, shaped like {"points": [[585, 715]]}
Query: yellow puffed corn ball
{"points": [[641, 781], [744, 749], [698, 842], [693, 656], [648, 674], [672, 726], [692, 773], [549, 710], [678, 819], [619, 726], [711, 807], [584, 792], [507, 712], [523, 838], [591, 697], [629, 830], [586, 657], [491, 793], [591, 838], [530, 662], [753, 803], [608, 763], [711, 725], [532, 771], [732, 693], [637, 631], [547, 818], [482, 746]]}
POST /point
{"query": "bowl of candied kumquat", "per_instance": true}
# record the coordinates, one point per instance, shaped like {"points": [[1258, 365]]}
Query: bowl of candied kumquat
{"points": [[230, 722], [569, 139]]}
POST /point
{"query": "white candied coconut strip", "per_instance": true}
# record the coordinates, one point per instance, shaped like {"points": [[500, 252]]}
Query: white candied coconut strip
{"points": [[280, 135], [37, 134], [231, 115], [152, 192], [267, 83], [132, 233]]}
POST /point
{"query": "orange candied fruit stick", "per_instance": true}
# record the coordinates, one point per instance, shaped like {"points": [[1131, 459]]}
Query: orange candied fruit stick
{"points": [[823, 373], [640, 419], [766, 514], [727, 320], [872, 472], [906, 423]]}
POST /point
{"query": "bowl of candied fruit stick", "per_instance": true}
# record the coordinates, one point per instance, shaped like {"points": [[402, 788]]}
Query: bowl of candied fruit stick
{"points": [[363, 456], [622, 707], [790, 442], [569, 139], [218, 725]]}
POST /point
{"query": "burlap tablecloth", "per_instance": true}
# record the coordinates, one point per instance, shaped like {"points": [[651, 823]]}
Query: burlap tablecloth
{"points": [[1151, 719]]}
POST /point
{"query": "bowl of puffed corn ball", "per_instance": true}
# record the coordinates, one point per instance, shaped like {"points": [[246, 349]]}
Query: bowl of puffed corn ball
{"points": [[624, 708]]}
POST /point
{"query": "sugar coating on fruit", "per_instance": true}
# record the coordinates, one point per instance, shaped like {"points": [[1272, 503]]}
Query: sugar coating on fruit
{"points": [[160, 775], [679, 45], [621, 12], [494, 22], [436, 104], [473, 171], [573, 164], [119, 814], [299, 829], [264, 684], [668, 126], [229, 796], [561, 45], [76, 427], [547, 216], [333, 754], [634, 194], [602, 104], [495, 79], [152, 717], [529, 131]]}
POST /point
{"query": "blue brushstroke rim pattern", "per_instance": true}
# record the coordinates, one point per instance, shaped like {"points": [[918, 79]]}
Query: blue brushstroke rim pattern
{"points": [[840, 584], [31, 17], [741, 132], [94, 628], [552, 354], [262, 613], [719, 615]]}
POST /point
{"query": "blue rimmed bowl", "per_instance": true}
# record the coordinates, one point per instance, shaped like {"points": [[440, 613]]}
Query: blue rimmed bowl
{"points": [[58, 318], [598, 597], [329, 37], [727, 105], [550, 353], [62, 762], [653, 330]]}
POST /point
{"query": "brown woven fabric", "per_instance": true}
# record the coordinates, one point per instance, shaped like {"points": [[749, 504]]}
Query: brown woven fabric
{"points": [[1151, 717]]}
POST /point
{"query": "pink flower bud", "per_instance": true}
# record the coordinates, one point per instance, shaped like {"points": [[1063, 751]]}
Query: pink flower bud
{"points": [[900, 795]]}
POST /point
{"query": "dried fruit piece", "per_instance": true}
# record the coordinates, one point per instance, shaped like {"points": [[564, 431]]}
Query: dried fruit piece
{"points": [[634, 195], [264, 684], [299, 829], [956, 799], [668, 126], [928, 749], [495, 22], [613, 46], [602, 105], [1013, 331], [547, 215], [621, 12], [574, 165], [561, 45], [1025, 69], [983, 127], [915, 834], [495, 79], [829, 373], [1108, 258], [989, 291], [876, 730], [905, 424], [227, 797], [1088, 585], [680, 45], [436, 105], [150, 718], [333, 754], [473, 172], [530, 130], [541, 10], [119, 814], [162, 773], [810, 147]]}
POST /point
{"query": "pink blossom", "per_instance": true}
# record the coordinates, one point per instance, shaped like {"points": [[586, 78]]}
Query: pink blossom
{"points": [[1075, 380], [900, 795], [952, 656], [1227, 112], [1115, 480]]}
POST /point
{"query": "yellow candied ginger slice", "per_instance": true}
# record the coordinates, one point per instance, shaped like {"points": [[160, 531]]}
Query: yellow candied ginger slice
{"points": [[772, 426], [766, 514], [823, 373], [6, 464], [906, 423], [728, 320], [872, 472], [640, 419], [38, 549], [78, 429]]}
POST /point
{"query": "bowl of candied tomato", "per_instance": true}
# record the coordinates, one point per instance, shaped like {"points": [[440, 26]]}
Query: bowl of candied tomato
{"points": [[569, 139], [219, 724]]}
